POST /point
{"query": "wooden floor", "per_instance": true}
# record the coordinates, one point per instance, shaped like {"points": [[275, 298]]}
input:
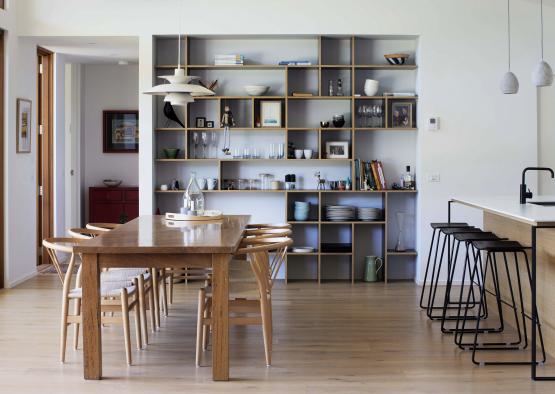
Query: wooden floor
{"points": [[332, 338]]}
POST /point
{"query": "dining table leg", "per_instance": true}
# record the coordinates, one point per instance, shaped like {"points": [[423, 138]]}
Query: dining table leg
{"points": [[220, 316], [92, 341]]}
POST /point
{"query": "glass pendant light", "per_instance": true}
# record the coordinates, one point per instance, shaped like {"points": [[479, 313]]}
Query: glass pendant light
{"points": [[542, 75], [509, 82]]}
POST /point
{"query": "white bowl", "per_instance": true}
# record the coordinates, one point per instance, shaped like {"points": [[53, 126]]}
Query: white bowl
{"points": [[371, 87], [299, 153], [308, 153], [256, 90]]}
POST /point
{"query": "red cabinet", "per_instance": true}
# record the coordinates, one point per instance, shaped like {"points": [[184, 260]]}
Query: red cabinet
{"points": [[113, 205]]}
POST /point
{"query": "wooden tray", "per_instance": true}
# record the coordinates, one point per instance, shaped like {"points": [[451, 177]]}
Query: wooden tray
{"points": [[214, 215]]}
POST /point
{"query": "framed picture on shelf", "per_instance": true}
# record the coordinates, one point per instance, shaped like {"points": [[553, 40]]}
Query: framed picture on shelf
{"points": [[401, 114], [121, 131], [337, 150], [24, 121], [210, 124], [200, 122], [270, 113]]}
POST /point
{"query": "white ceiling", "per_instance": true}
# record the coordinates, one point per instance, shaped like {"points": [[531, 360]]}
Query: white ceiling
{"points": [[94, 50]]}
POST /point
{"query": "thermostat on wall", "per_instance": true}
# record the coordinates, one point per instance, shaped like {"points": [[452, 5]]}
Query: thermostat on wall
{"points": [[433, 123]]}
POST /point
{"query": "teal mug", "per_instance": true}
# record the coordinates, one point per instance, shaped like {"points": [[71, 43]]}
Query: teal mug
{"points": [[373, 271]]}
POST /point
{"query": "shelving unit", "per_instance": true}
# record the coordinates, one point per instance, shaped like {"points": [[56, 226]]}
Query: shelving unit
{"points": [[351, 58]]}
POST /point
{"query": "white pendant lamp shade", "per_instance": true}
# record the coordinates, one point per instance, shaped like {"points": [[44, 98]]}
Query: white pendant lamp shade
{"points": [[179, 99], [179, 77], [542, 74], [167, 88], [509, 83]]}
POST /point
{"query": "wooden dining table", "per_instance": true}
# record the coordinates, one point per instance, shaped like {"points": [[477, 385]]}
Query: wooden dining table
{"points": [[150, 241]]}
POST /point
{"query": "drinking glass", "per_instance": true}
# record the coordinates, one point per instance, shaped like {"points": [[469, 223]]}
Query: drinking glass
{"points": [[195, 145], [204, 137], [360, 112], [280, 151], [214, 143], [246, 152], [273, 149]]}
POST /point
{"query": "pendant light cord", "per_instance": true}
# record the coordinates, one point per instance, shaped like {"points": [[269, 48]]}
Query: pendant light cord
{"points": [[509, 30], [541, 23], [179, 36]]}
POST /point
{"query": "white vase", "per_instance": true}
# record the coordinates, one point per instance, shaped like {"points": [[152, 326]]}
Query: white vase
{"points": [[371, 87]]}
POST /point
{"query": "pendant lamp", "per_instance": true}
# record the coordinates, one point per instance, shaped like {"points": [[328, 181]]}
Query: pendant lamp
{"points": [[542, 75], [509, 82]]}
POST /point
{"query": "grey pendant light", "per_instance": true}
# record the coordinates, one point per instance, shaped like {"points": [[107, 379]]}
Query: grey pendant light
{"points": [[542, 75], [509, 82]]}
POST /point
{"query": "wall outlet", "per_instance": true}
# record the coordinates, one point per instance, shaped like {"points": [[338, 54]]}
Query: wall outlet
{"points": [[434, 177], [433, 123]]}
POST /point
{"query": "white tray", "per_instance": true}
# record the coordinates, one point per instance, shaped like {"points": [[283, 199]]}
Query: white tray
{"points": [[208, 215]]}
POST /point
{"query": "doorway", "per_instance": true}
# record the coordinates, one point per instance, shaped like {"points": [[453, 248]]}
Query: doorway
{"points": [[45, 209]]}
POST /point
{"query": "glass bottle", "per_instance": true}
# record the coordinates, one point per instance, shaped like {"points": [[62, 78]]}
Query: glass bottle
{"points": [[330, 87], [400, 246], [193, 199], [407, 180], [339, 87]]}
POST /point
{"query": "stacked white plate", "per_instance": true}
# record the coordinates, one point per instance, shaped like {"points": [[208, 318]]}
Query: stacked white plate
{"points": [[369, 214], [340, 213]]}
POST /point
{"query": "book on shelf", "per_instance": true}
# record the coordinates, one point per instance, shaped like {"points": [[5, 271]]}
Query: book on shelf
{"points": [[399, 94], [295, 63], [225, 60], [302, 94], [369, 175]]}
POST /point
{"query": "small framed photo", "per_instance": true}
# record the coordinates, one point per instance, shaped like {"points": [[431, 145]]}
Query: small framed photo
{"points": [[121, 131], [270, 113], [210, 124], [200, 122], [24, 122], [337, 150], [401, 114]]}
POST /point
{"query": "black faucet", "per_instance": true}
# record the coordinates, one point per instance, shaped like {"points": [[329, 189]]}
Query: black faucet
{"points": [[524, 194]]}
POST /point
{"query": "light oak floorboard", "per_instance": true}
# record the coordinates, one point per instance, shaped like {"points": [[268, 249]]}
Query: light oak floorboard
{"points": [[332, 338]]}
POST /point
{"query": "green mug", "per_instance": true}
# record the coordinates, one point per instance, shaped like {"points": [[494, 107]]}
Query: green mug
{"points": [[373, 271]]}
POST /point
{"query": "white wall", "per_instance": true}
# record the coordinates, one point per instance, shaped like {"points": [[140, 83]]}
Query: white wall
{"points": [[486, 138], [106, 86]]}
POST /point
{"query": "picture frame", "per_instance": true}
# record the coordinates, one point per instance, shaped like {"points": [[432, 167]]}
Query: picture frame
{"points": [[200, 122], [24, 126], [270, 113], [120, 132], [209, 124], [337, 150], [402, 114]]}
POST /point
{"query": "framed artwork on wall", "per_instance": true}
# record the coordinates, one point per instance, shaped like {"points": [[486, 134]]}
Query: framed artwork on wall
{"points": [[120, 131], [24, 122], [337, 150]]}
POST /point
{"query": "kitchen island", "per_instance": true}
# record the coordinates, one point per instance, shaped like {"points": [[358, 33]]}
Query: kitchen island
{"points": [[534, 226]]}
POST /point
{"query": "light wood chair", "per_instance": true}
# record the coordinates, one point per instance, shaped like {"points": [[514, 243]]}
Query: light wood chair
{"points": [[268, 225], [245, 298], [115, 297]]}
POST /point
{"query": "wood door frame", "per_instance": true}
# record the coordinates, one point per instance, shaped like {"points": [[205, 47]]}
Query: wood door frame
{"points": [[45, 158]]}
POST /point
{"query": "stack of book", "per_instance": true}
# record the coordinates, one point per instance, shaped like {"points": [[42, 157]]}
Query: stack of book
{"points": [[229, 60], [295, 63], [369, 175]]}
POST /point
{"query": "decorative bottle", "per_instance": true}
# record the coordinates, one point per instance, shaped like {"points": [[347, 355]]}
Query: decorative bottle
{"points": [[339, 87], [407, 179], [330, 87], [193, 199]]}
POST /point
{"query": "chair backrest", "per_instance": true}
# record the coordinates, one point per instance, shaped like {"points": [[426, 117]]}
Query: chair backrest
{"points": [[102, 226], [268, 232], [278, 256], [84, 233], [62, 245], [258, 249], [268, 225]]}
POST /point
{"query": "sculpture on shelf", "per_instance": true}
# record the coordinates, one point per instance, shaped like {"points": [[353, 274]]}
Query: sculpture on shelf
{"points": [[170, 114], [320, 183], [226, 123]]}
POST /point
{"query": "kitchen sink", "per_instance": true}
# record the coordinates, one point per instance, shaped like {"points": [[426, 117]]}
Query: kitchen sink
{"points": [[544, 203]]}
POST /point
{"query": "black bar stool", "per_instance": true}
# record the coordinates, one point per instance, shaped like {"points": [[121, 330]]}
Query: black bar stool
{"points": [[435, 227], [438, 265], [492, 249], [465, 239]]}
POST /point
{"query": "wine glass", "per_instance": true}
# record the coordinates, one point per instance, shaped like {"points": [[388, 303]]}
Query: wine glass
{"points": [[204, 137], [214, 143], [195, 144], [380, 115], [360, 112]]}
